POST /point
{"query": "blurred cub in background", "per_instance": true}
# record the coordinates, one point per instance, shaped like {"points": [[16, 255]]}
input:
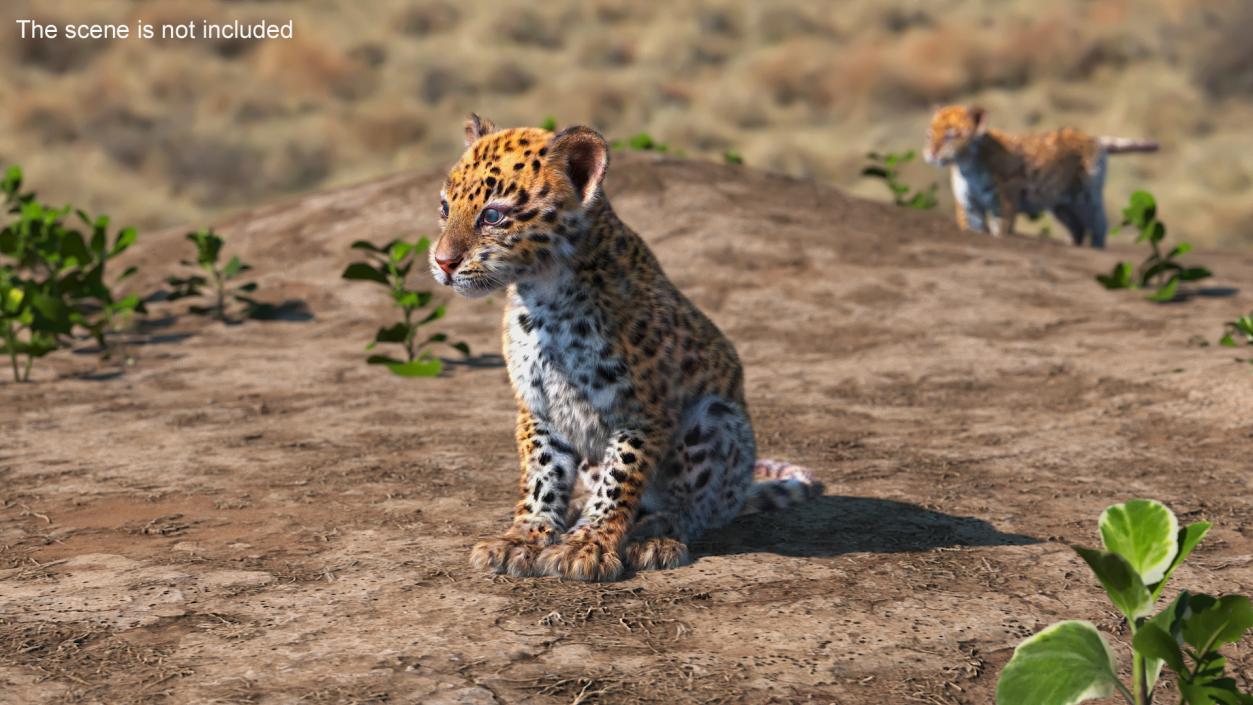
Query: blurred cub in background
{"points": [[997, 175]]}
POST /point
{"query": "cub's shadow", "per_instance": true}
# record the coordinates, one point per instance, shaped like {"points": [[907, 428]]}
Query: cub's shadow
{"points": [[831, 526]]}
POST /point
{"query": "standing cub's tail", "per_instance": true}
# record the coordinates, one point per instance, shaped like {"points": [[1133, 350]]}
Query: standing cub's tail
{"points": [[777, 485], [1119, 145]]}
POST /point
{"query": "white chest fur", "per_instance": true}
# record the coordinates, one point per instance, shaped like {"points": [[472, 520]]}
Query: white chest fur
{"points": [[564, 365]]}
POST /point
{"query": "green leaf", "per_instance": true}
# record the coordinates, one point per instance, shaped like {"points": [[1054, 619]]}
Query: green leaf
{"points": [[549, 123], [1142, 209], [371, 247], [1118, 278], [1191, 274], [435, 315], [364, 272], [1211, 686], [233, 267], [875, 171], [125, 239], [1064, 664], [1120, 580], [1187, 539], [1153, 641], [1145, 533], [421, 246], [400, 251], [422, 367], [1213, 623], [1166, 292], [463, 348], [1228, 341], [392, 334]]}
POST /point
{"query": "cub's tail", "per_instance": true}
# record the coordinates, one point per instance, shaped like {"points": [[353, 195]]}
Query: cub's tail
{"points": [[1120, 145], [777, 485]]}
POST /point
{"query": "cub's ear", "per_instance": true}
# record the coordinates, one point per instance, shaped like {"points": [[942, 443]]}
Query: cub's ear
{"points": [[980, 116], [476, 127], [583, 155]]}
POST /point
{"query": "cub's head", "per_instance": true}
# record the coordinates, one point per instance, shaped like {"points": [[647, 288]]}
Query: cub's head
{"points": [[511, 206], [952, 130]]}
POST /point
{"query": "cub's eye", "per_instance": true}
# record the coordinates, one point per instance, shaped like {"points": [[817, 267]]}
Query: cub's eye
{"points": [[491, 216], [443, 208]]}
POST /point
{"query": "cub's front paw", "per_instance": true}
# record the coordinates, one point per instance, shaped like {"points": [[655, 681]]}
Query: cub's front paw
{"points": [[586, 557], [515, 553], [657, 553]]}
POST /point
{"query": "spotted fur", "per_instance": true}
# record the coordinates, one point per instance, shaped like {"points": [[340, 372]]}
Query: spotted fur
{"points": [[633, 435], [996, 175]]}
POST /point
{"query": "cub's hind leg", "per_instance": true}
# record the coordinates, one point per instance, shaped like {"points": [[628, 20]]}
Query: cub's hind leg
{"points": [[1066, 216], [702, 484]]}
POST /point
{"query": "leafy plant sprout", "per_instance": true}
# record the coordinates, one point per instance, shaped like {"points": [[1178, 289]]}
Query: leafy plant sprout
{"points": [[1070, 662], [218, 279], [886, 167], [53, 279], [1159, 270], [1237, 331], [390, 265]]}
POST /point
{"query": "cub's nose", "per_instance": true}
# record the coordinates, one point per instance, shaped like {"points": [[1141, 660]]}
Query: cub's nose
{"points": [[448, 264]]}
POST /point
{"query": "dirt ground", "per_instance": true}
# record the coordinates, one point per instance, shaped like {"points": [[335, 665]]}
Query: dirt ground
{"points": [[250, 514]]}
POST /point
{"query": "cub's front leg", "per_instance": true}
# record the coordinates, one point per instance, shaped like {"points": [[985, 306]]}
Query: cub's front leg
{"points": [[593, 548], [548, 467]]}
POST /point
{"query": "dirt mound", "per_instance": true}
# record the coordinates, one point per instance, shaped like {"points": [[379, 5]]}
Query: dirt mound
{"points": [[250, 514]]}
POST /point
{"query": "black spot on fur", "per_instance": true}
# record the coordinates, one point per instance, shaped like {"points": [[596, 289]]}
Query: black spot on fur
{"points": [[619, 475], [718, 409], [525, 322], [693, 436], [629, 458], [545, 458], [702, 479], [549, 498]]}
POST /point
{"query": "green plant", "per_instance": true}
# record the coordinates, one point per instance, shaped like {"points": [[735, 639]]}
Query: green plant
{"points": [[1070, 661], [390, 265], [1239, 329], [887, 168], [218, 278], [641, 142], [1159, 271], [53, 278], [733, 156], [549, 123]]}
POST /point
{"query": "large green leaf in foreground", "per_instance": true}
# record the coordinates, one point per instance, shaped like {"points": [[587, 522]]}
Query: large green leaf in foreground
{"points": [[1064, 664]]}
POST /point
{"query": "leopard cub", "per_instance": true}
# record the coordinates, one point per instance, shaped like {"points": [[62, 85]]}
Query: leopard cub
{"points": [[633, 436], [996, 175]]}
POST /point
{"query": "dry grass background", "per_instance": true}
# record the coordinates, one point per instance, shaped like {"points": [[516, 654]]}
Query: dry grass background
{"points": [[166, 133]]}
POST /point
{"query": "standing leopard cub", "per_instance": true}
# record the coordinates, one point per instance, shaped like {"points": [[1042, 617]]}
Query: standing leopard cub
{"points": [[626, 392], [996, 174]]}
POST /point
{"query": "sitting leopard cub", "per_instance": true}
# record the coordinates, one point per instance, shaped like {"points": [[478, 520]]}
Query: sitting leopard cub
{"points": [[624, 388], [996, 175]]}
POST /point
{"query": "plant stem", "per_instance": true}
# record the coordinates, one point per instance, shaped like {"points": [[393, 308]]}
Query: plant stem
{"points": [[221, 290], [30, 360], [1125, 693], [10, 340]]}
